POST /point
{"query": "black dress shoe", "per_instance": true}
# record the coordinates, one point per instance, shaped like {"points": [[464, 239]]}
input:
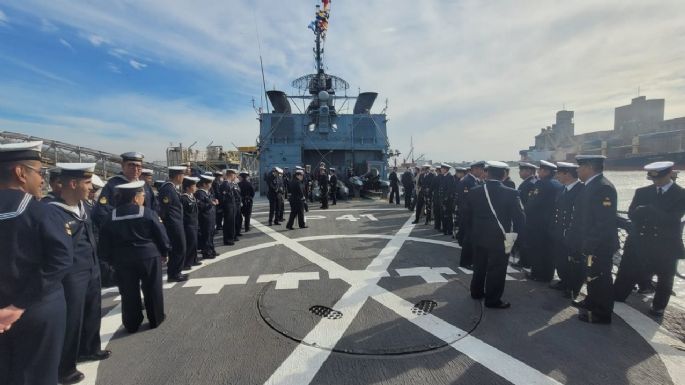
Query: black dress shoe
{"points": [[304, 227], [97, 356], [477, 296], [247, 229], [579, 304], [558, 286], [186, 268], [178, 278], [209, 256], [229, 243], [277, 223], [656, 312], [289, 228], [590, 317], [198, 263], [414, 222], [72, 378], [499, 305]]}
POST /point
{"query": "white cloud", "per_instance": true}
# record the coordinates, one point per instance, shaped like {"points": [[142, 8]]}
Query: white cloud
{"points": [[96, 40], [66, 44], [114, 68], [468, 79], [136, 64], [3, 17]]}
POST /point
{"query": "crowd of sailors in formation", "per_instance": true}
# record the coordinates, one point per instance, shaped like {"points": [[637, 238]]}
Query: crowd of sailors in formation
{"points": [[563, 218], [60, 249], [57, 251]]}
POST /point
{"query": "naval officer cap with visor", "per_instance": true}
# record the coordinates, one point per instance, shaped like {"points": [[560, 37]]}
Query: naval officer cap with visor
{"points": [[208, 178], [15, 152], [175, 170], [523, 165], [564, 166], [132, 156], [479, 164], [548, 165], [495, 164], [659, 169]]}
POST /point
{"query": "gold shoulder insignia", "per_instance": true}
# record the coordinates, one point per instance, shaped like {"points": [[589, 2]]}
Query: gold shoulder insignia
{"points": [[606, 202], [103, 200], [165, 200], [67, 228]]}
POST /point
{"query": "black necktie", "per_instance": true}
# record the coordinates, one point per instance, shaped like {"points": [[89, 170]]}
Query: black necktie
{"points": [[659, 192]]}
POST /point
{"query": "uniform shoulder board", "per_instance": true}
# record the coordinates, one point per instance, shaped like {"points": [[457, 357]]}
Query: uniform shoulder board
{"points": [[165, 200], [67, 229], [606, 202], [103, 200]]}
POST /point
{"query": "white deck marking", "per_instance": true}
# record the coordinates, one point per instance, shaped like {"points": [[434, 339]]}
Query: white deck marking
{"points": [[347, 217], [429, 274], [215, 284], [304, 362], [369, 217], [289, 280], [335, 210], [109, 325], [356, 277], [314, 217], [507, 278]]}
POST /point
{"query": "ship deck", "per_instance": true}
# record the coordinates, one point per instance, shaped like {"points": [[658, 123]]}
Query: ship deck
{"points": [[364, 297]]}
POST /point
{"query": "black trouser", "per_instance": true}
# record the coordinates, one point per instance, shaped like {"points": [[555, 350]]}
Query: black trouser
{"points": [[408, 192], [247, 213], [177, 255], [219, 218], [542, 255], [466, 257], [272, 207], [191, 233], [334, 195], [229, 223], [600, 291], [570, 267], [296, 210], [280, 207], [429, 207], [394, 193], [324, 198], [447, 217], [82, 335], [134, 275], [30, 351], [238, 220], [437, 212], [420, 201], [633, 269], [489, 274], [205, 239]]}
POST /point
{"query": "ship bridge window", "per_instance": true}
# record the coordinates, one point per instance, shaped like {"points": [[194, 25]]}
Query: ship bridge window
{"points": [[364, 130], [282, 129]]}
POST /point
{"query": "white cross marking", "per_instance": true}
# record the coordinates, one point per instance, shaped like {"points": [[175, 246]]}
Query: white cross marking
{"points": [[289, 280], [214, 285], [508, 277], [429, 274]]}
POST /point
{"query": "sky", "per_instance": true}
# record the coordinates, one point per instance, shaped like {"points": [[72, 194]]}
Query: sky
{"points": [[467, 79]]}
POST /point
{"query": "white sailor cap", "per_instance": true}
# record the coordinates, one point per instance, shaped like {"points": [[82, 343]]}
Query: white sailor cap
{"points": [[566, 165], [480, 163], [445, 165], [549, 165], [332, 168], [218, 173], [247, 173], [658, 169], [77, 170], [299, 171], [11, 152], [460, 168], [207, 177], [527, 165], [299, 168], [231, 171], [496, 164], [137, 185], [278, 170], [146, 171], [590, 158], [132, 156], [97, 181], [54, 172], [426, 165], [191, 178], [176, 169]]}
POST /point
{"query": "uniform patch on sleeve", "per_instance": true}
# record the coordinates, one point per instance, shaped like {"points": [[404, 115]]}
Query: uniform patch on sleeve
{"points": [[103, 200], [606, 202], [67, 228], [165, 200]]}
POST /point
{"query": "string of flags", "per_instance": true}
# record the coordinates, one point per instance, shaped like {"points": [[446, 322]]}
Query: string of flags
{"points": [[320, 24]]}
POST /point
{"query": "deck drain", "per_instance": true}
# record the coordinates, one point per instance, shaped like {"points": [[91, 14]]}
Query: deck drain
{"points": [[325, 312], [424, 307]]}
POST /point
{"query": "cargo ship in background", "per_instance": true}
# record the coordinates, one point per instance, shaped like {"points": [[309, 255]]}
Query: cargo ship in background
{"points": [[640, 135]]}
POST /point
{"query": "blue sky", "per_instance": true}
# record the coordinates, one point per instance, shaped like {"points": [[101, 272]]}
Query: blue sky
{"points": [[468, 79]]}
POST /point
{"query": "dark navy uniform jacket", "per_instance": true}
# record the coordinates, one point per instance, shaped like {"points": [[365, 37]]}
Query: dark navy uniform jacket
{"points": [[36, 250], [541, 203], [297, 192], [448, 188], [394, 180], [333, 181], [509, 183], [436, 182], [485, 232], [407, 180], [132, 232], [565, 226], [323, 183], [103, 209], [227, 195], [656, 221], [598, 217], [205, 209], [465, 185], [246, 191], [190, 211], [170, 206], [525, 189], [81, 230]]}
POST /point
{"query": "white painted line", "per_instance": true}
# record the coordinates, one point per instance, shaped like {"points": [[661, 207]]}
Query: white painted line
{"points": [[335, 210], [314, 217], [369, 217], [109, 325], [507, 277], [215, 284], [429, 274], [347, 217], [358, 277], [290, 280], [376, 236]]}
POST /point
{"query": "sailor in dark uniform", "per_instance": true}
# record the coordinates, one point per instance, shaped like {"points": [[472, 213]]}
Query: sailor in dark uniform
{"points": [[287, 177], [565, 232], [507, 180], [436, 198], [421, 191], [297, 201], [135, 242], [280, 202], [394, 196], [527, 172], [247, 195], [82, 283], [171, 213], [238, 197], [466, 184], [539, 208], [322, 178], [230, 205], [206, 216], [308, 182], [214, 190], [272, 194], [655, 243], [55, 185], [37, 252], [190, 221], [333, 182], [459, 174], [408, 187], [599, 239], [487, 233], [131, 169], [448, 189]]}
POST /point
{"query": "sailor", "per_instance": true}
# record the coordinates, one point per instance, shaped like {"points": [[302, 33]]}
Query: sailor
{"points": [[422, 191], [146, 175], [308, 182], [230, 206], [247, 195], [478, 170], [37, 252], [171, 212], [539, 208], [565, 232], [527, 172], [466, 184], [274, 187], [507, 180], [55, 185], [599, 239], [490, 211], [190, 221], [287, 177], [459, 174], [394, 195], [238, 198], [131, 168], [408, 187], [448, 189], [436, 198], [297, 201], [214, 190], [135, 242], [97, 184], [323, 186], [82, 282], [206, 216], [333, 182], [655, 243]]}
